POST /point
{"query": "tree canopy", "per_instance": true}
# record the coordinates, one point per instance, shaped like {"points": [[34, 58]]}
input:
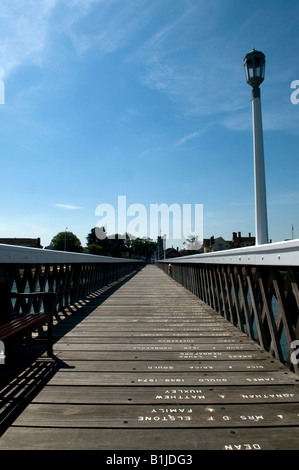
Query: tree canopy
{"points": [[66, 241], [143, 247]]}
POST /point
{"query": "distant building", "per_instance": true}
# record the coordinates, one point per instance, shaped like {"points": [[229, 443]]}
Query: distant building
{"points": [[238, 241], [172, 253], [215, 244], [166, 253], [218, 244], [28, 242]]}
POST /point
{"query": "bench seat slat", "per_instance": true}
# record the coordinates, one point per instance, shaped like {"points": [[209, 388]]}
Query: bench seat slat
{"points": [[22, 324]]}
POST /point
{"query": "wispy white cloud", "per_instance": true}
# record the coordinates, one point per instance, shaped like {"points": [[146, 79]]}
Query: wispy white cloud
{"points": [[29, 30], [116, 24], [68, 207], [187, 65], [187, 138], [23, 32]]}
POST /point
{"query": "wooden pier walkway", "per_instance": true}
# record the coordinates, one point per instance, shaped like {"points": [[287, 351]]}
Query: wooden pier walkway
{"points": [[150, 367]]}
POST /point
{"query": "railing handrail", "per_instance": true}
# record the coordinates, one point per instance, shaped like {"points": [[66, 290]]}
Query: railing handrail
{"points": [[26, 255], [273, 254]]}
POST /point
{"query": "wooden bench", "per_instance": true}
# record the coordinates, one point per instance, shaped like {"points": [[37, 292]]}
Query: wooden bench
{"points": [[24, 323]]}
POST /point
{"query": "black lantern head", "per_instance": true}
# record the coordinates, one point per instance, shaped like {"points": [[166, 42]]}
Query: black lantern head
{"points": [[254, 64]]}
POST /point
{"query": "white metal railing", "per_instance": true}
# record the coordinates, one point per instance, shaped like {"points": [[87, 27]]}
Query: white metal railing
{"points": [[21, 254], [273, 254]]}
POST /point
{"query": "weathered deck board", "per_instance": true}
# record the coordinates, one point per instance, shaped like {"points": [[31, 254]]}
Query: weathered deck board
{"points": [[152, 368], [156, 395], [179, 416]]}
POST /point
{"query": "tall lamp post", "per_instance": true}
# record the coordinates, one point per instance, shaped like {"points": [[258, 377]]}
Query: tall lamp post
{"points": [[254, 64]]}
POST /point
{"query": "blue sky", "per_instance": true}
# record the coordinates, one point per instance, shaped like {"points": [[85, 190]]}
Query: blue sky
{"points": [[145, 99]]}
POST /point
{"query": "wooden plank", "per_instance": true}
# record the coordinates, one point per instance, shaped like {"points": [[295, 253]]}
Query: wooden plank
{"points": [[203, 346], [143, 416], [166, 379], [275, 438], [65, 356], [172, 366], [111, 328], [69, 354], [167, 395], [141, 336], [217, 339]]}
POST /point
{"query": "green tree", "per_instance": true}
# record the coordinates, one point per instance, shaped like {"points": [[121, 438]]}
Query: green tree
{"points": [[111, 245], [66, 241], [143, 247], [95, 245], [92, 238], [94, 249]]}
